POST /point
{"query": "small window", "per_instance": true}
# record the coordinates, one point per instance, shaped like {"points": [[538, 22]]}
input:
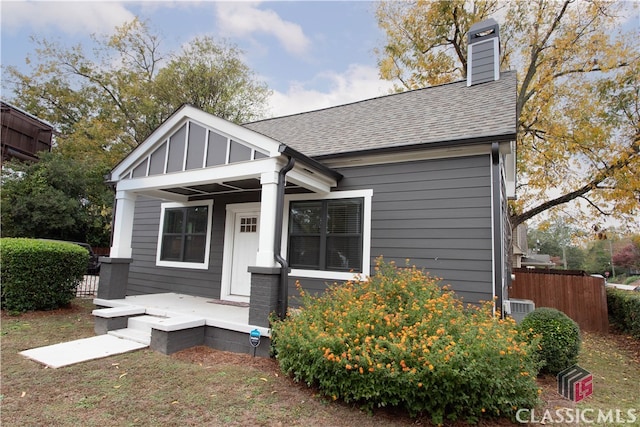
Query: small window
{"points": [[249, 224], [184, 235], [326, 234]]}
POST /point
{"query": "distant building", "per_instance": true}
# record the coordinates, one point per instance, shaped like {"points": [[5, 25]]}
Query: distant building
{"points": [[523, 257], [23, 134]]}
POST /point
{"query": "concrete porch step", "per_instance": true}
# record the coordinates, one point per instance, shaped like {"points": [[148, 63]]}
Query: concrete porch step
{"points": [[143, 323], [132, 334]]}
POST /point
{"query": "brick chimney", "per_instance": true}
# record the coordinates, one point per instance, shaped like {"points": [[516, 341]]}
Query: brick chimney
{"points": [[483, 61]]}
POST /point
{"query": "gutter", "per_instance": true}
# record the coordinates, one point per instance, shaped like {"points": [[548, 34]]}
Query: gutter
{"points": [[283, 293], [506, 137], [290, 152]]}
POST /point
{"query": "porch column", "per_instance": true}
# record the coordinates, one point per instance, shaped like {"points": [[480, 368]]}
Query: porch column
{"points": [[268, 201], [123, 225]]}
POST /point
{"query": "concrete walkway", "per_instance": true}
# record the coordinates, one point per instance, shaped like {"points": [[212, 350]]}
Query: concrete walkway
{"points": [[69, 353]]}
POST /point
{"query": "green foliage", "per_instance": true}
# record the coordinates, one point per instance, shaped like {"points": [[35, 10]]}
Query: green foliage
{"points": [[556, 239], [56, 198], [598, 257], [212, 77], [624, 310], [399, 340], [108, 94], [38, 274], [560, 338], [631, 279]]}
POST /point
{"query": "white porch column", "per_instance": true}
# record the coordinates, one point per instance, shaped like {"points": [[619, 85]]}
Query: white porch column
{"points": [[123, 225], [269, 181]]}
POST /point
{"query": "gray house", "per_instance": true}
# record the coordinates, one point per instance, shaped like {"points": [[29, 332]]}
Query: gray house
{"points": [[215, 222]]}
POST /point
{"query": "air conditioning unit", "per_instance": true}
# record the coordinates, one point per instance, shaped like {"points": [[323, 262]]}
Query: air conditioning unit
{"points": [[519, 308]]}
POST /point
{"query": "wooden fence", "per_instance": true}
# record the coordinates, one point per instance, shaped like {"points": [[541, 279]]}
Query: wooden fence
{"points": [[582, 298]]}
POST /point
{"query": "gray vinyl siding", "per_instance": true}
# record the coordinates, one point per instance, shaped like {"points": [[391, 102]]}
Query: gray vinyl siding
{"points": [[436, 214], [483, 67], [146, 278]]}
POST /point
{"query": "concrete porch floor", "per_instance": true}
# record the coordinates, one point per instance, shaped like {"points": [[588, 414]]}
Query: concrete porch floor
{"points": [[215, 313]]}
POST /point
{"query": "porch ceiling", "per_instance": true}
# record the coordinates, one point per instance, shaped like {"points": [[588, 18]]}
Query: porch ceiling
{"points": [[206, 191], [225, 179]]}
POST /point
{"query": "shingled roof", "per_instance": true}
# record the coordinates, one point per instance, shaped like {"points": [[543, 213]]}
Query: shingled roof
{"points": [[452, 113]]}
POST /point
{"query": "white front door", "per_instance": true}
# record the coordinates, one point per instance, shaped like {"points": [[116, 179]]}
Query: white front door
{"points": [[245, 248], [243, 224]]}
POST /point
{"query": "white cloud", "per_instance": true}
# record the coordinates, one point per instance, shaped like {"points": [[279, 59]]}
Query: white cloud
{"points": [[66, 17], [245, 18], [358, 82]]}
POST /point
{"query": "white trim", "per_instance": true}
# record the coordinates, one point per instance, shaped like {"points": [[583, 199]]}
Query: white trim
{"points": [[207, 249], [166, 155], [227, 252], [186, 144], [496, 58], [409, 156], [124, 210], [234, 171], [224, 127], [367, 195], [316, 182], [207, 132]]}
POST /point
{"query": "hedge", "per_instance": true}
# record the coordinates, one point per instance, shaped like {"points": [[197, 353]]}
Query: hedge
{"points": [[39, 274], [624, 310]]}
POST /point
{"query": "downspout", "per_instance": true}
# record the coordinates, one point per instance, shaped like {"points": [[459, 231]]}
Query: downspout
{"points": [[283, 294], [498, 238]]}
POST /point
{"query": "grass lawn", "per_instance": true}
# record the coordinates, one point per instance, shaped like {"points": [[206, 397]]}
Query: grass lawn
{"points": [[201, 386]]}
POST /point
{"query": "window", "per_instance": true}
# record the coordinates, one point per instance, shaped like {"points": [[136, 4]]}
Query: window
{"points": [[326, 234], [184, 235]]}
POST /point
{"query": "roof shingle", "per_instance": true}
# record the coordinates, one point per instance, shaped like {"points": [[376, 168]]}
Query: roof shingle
{"points": [[449, 112]]}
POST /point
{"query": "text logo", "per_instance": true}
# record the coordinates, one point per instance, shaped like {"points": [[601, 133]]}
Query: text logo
{"points": [[575, 383]]}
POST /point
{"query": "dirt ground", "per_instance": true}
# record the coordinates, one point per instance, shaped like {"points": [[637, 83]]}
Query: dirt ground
{"points": [[550, 397]]}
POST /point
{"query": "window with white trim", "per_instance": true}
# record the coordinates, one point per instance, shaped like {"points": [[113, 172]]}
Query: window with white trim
{"points": [[326, 234], [184, 236]]}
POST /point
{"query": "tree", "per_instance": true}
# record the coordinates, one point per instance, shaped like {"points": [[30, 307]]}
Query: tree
{"points": [[578, 99], [107, 102], [628, 256], [598, 258], [558, 239], [56, 198]]}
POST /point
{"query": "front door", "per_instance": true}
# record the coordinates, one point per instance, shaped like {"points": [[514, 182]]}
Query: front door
{"points": [[243, 253]]}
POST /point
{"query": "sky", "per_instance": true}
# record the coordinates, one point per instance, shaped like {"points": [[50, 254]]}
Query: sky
{"points": [[311, 54]]}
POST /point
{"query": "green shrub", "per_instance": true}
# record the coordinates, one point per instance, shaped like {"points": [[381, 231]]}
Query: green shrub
{"points": [[399, 340], [39, 274], [629, 280], [560, 338], [624, 310]]}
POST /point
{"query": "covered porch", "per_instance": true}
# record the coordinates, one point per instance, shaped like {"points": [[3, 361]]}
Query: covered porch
{"points": [[210, 252], [170, 322]]}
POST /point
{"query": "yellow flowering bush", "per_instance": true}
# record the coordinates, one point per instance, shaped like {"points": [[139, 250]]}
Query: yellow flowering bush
{"points": [[400, 340]]}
